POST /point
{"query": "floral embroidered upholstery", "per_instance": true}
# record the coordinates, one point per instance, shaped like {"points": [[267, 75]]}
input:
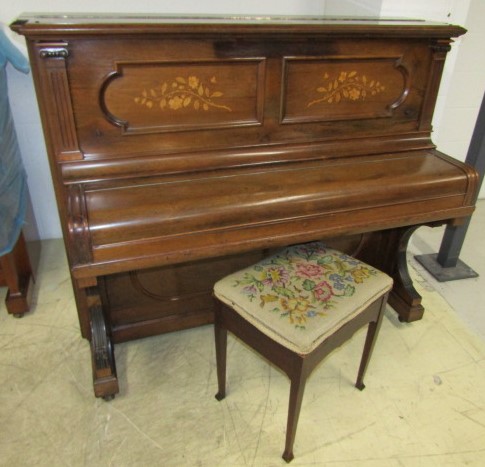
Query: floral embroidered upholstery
{"points": [[301, 295]]}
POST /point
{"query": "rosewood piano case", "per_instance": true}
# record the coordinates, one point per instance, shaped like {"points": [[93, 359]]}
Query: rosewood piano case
{"points": [[184, 148]]}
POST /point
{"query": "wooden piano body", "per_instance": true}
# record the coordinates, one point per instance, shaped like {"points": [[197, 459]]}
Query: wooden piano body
{"points": [[183, 148]]}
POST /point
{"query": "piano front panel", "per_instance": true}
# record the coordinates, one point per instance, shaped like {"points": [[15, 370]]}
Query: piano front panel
{"points": [[158, 97], [340, 88]]}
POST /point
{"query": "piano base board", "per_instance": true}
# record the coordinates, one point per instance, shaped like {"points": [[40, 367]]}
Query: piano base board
{"points": [[145, 303]]}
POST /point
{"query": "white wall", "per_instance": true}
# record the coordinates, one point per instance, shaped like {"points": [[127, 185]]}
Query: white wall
{"points": [[353, 7], [460, 93]]}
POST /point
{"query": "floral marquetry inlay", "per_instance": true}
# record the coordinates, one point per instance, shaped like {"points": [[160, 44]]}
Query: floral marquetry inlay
{"points": [[349, 86], [183, 93]]}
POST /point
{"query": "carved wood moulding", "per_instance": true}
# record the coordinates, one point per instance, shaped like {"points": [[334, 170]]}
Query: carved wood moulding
{"points": [[58, 101]]}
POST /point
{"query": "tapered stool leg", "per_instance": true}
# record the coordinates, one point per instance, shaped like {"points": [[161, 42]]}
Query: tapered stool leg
{"points": [[296, 396], [370, 340], [221, 356]]}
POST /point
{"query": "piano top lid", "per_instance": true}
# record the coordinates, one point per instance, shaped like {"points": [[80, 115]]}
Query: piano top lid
{"points": [[41, 24]]}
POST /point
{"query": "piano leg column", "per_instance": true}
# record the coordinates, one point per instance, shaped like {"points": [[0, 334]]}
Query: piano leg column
{"points": [[403, 298], [386, 250], [105, 381]]}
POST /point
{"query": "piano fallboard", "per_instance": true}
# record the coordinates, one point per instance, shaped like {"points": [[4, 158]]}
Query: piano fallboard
{"points": [[185, 216]]}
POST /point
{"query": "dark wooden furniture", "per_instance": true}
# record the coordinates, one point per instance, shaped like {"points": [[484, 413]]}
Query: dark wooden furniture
{"points": [[16, 274], [180, 148], [314, 281]]}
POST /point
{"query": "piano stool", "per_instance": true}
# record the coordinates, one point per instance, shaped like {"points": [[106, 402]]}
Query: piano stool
{"points": [[294, 308]]}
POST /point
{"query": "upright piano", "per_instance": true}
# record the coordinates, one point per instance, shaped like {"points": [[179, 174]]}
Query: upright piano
{"points": [[183, 148]]}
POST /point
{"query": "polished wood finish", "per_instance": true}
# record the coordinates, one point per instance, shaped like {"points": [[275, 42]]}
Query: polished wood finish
{"points": [[182, 148], [16, 274], [297, 367]]}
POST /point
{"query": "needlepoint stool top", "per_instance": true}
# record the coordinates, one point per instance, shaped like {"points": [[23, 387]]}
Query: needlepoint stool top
{"points": [[304, 293]]}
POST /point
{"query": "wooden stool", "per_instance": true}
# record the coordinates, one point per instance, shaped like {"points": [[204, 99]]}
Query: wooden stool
{"points": [[294, 308]]}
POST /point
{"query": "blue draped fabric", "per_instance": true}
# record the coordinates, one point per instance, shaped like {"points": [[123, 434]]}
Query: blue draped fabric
{"points": [[13, 185]]}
